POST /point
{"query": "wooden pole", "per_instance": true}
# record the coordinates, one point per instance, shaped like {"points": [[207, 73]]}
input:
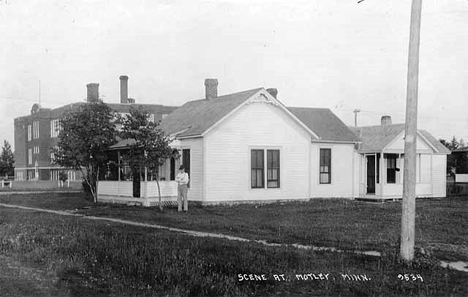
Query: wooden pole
{"points": [[409, 179], [355, 116]]}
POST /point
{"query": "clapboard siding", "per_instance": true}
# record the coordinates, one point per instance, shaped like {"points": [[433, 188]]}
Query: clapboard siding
{"points": [[439, 176], [228, 146], [342, 171], [117, 188], [195, 145]]}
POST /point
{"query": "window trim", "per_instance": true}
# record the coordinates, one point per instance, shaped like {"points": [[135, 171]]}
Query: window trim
{"points": [[265, 150], [262, 169], [35, 129], [29, 132], [278, 180], [320, 166], [30, 156], [391, 169]]}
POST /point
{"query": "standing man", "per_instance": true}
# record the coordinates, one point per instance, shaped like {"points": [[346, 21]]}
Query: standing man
{"points": [[182, 180]]}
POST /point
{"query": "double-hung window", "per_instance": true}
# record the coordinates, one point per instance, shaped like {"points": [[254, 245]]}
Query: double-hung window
{"points": [[325, 166], [391, 168], [29, 132], [54, 128], [30, 156], [261, 163], [35, 129], [257, 169], [273, 168]]}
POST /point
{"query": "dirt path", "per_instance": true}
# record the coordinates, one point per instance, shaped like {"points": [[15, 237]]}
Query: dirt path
{"points": [[213, 235], [188, 232]]}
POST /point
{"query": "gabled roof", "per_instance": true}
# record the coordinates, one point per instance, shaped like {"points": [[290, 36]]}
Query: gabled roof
{"points": [[195, 117], [376, 138], [324, 123], [439, 146]]}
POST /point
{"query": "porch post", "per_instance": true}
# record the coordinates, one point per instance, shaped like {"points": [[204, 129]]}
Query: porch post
{"points": [[432, 184], [146, 182], [381, 179], [118, 174]]}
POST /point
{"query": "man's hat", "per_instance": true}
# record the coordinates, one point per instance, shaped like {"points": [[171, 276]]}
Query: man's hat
{"points": [[181, 167]]}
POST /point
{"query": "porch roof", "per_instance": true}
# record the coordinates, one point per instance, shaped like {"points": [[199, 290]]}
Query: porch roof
{"points": [[376, 138]]}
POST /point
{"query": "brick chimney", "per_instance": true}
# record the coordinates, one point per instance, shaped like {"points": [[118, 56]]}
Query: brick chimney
{"points": [[211, 88], [123, 89], [386, 120], [273, 92], [93, 92]]}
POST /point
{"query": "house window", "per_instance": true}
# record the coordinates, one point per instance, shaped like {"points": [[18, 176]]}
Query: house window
{"points": [[36, 150], [35, 129], [151, 118], [29, 132], [257, 168], [325, 166], [391, 168], [273, 168], [30, 156]]}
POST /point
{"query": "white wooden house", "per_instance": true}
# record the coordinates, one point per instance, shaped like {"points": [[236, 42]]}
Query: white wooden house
{"points": [[248, 146], [381, 154]]}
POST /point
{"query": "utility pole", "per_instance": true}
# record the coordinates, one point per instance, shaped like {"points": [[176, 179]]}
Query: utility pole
{"points": [[409, 181], [39, 92], [355, 116]]}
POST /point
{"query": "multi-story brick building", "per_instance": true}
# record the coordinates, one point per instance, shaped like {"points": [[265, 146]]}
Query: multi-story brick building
{"points": [[37, 133]]}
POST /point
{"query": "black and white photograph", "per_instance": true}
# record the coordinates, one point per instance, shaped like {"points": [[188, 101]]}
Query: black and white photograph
{"points": [[233, 148]]}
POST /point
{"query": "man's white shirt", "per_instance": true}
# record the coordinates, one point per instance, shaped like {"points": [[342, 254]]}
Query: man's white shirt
{"points": [[182, 178]]}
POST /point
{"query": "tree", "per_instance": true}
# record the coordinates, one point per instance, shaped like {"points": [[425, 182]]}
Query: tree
{"points": [[462, 143], [83, 140], [454, 144], [150, 148], [7, 160]]}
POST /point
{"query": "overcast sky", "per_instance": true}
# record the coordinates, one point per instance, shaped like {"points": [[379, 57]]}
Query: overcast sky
{"points": [[330, 53]]}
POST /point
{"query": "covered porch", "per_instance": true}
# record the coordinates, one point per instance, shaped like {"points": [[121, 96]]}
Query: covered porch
{"points": [[381, 175], [118, 184]]}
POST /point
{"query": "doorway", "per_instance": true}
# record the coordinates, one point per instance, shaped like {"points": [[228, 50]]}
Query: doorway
{"points": [[370, 174], [186, 163]]}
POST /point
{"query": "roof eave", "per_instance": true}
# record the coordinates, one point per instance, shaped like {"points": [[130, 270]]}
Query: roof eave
{"points": [[336, 141]]}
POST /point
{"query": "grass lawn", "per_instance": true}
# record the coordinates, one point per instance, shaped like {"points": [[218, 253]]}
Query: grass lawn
{"points": [[441, 224], [94, 258]]}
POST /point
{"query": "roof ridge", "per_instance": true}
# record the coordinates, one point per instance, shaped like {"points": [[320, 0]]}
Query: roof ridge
{"points": [[323, 108], [225, 95], [399, 124]]}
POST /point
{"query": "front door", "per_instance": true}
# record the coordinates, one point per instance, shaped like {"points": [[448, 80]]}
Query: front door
{"points": [[186, 163], [370, 174]]}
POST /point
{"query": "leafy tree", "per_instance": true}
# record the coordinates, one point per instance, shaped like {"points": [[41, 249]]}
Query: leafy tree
{"points": [[7, 160], [150, 147], [462, 143], [444, 142], [454, 144], [83, 140]]}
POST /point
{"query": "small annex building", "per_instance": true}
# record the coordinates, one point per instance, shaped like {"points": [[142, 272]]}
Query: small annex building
{"points": [[249, 146], [381, 156]]}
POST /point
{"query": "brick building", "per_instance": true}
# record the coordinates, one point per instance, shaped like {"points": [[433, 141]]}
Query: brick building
{"points": [[37, 133]]}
